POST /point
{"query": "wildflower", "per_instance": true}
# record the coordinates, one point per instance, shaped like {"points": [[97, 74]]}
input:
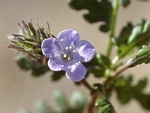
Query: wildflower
{"points": [[66, 53]]}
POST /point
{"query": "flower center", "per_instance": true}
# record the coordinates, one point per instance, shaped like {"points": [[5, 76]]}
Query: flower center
{"points": [[68, 53]]}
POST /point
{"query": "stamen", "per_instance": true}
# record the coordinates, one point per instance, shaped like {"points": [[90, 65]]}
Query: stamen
{"points": [[70, 47], [65, 56], [66, 48], [69, 58], [74, 51]]}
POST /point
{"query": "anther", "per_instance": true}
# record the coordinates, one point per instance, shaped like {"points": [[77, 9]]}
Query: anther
{"points": [[69, 58], [65, 56], [70, 47], [66, 47]]}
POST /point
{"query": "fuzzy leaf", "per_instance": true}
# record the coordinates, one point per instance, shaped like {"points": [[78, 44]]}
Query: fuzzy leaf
{"points": [[105, 106], [43, 107], [78, 100], [27, 64], [143, 56], [61, 101], [97, 11]]}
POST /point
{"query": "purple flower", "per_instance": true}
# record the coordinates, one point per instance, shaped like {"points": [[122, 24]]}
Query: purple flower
{"points": [[66, 53]]}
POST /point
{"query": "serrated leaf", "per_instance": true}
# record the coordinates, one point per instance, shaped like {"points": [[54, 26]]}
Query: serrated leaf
{"points": [[143, 56], [97, 11], [123, 95], [121, 42], [105, 106], [126, 31], [126, 91]]}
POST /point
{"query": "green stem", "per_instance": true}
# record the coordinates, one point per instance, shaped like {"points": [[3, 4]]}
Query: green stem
{"points": [[110, 79], [112, 26], [114, 61]]}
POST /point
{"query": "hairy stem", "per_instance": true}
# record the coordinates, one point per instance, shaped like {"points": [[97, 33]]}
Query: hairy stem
{"points": [[92, 103], [112, 26], [93, 98], [86, 84]]}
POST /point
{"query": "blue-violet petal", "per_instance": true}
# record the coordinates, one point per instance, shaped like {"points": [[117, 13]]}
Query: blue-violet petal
{"points": [[56, 64], [86, 50], [51, 48], [68, 38], [76, 72]]}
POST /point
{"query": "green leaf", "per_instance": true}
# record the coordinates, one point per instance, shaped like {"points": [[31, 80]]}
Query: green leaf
{"points": [[95, 67], [107, 109], [143, 56], [105, 106], [124, 3], [27, 64], [97, 71], [122, 86], [97, 11], [140, 35], [104, 61], [98, 65], [121, 41], [100, 88], [127, 91]]}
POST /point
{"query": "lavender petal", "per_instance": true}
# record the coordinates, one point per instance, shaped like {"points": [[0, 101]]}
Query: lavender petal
{"points": [[51, 48], [86, 50], [56, 64], [76, 72], [68, 38]]}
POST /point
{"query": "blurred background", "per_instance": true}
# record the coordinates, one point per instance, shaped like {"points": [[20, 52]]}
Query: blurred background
{"points": [[20, 90]]}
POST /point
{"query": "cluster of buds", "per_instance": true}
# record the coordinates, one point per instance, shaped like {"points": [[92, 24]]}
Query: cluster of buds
{"points": [[29, 40]]}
